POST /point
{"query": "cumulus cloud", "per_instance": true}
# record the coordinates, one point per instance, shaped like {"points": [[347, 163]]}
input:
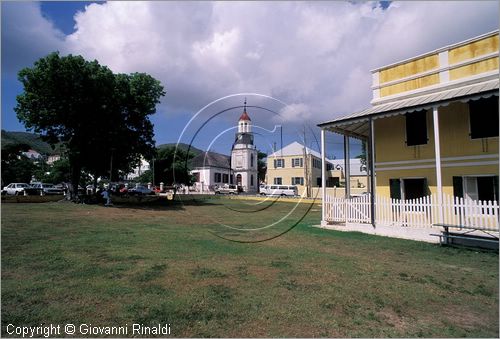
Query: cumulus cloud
{"points": [[295, 113], [26, 36], [316, 55]]}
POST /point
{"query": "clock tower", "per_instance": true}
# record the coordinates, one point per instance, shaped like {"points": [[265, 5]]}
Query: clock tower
{"points": [[244, 155]]}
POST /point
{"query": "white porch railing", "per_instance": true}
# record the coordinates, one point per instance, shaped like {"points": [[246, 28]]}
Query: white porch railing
{"points": [[421, 212]]}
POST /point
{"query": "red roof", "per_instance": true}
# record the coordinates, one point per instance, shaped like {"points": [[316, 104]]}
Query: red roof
{"points": [[245, 116]]}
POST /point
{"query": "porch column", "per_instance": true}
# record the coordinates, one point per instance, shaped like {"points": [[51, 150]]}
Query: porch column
{"points": [[323, 179], [347, 167], [437, 152], [371, 166]]}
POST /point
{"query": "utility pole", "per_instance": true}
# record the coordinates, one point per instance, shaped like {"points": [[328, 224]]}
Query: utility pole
{"points": [[153, 165], [306, 167]]}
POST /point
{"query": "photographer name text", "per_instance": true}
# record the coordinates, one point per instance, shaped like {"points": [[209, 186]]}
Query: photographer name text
{"points": [[50, 330]]}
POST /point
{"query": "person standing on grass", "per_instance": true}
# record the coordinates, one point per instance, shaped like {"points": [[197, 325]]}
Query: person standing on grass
{"points": [[106, 194]]}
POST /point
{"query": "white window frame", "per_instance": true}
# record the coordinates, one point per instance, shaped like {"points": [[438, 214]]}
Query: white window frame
{"points": [[297, 162], [279, 161]]}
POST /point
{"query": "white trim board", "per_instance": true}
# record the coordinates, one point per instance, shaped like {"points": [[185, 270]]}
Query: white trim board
{"points": [[455, 164], [466, 157]]}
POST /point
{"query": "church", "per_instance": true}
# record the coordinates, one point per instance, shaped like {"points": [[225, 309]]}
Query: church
{"points": [[212, 169]]}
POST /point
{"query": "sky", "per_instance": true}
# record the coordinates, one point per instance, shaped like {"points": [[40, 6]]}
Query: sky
{"points": [[296, 63]]}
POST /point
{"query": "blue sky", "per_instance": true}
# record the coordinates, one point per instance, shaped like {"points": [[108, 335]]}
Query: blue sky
{"points": [[314, 56]]}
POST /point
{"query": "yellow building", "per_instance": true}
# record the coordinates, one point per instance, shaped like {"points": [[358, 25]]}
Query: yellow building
{"points": [[432, 129], [288, 166]]}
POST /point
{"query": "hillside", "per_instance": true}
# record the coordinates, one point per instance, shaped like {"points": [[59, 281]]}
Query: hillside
{"points": [[33, 140]]}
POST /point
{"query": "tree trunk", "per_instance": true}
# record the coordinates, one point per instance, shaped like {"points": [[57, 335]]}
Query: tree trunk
{"points": [[94, 188], [75, 179]]}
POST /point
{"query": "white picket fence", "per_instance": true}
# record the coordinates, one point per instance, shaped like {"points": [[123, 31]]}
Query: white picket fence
{"points": [[422, 212]]}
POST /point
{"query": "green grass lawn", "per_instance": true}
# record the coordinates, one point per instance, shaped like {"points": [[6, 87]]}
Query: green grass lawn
{"points": [[66, 263]]}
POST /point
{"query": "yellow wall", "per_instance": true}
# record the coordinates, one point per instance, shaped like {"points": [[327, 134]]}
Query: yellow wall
{"points": [[454, 141], [431, 64], [390, 134], [473, 49], [410, 85], [447, 174], [410, 68], [475, 68]]}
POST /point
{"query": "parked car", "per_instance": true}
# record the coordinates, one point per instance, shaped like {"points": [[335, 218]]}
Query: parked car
{"points": [[15, 188], [140, 190], [227, 189], [39, 187], [280, 190]]}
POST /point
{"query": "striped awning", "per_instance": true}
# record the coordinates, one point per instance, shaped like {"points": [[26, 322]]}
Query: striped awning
{"points": [[355, 124]]}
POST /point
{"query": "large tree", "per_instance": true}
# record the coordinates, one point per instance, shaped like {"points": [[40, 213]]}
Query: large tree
{"points": [[101, 118]]}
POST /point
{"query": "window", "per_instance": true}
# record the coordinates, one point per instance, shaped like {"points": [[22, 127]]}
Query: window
{"points": [[297, 181], [395, 188], [217, 177], [318, 181], [484, 188], [251, 160], [251, 180], [279, 163], [225, 178], [297, 162], [329, 167], [316, 163], [483, 117], [333, 182], [238, 179], [408, 189], [416, 128], [278, 181]]}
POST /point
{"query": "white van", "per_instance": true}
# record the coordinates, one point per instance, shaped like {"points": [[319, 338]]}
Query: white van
{"points": [[280, 190]]}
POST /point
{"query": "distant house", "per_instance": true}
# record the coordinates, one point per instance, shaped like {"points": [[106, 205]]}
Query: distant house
{"points": [[53, 158], [297, 165], [139, 170], [32, 154], [358, 175], [210, 169]]}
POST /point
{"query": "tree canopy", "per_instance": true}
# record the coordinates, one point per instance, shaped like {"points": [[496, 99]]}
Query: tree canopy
{"points": [[171, 166], [101, 118]]}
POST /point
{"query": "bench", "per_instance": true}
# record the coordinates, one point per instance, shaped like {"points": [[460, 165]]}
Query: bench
{"points": [[446, 235]]}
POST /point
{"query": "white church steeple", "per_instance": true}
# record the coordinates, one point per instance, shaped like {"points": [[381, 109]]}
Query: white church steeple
{"points": [[244, 155], [245, 124]]}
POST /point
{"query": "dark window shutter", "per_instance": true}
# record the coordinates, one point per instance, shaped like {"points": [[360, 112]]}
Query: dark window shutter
{"points": [[416, 128], [458, 187], [495, 187], [275, 163], [483, 114], [395, 187]]}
